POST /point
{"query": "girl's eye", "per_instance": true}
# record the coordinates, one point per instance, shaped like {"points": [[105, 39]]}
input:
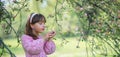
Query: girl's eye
{"points": [[40, 23]]}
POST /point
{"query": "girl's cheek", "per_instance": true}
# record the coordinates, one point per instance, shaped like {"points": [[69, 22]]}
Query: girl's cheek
{"points": [[41, 28]]}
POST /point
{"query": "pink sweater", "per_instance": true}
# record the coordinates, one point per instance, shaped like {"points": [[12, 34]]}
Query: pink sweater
{"points": [[37, 48]]}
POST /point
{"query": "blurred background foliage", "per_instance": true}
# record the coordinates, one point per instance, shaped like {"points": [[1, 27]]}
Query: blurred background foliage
{"points": [[97, 22]]}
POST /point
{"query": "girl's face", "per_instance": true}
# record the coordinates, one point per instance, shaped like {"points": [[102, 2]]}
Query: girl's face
{"points": [[38, 27]]}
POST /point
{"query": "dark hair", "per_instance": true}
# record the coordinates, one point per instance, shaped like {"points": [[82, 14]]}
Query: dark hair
{"points": [[36, 18]]}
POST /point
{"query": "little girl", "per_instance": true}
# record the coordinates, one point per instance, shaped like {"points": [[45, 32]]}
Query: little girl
{"points": [[34, 44]]}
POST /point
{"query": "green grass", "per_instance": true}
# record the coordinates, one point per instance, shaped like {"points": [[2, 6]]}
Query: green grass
{"points": [[65, 50]]}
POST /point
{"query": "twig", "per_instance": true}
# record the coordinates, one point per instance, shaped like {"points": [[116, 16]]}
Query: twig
{"points": [[11, 54]]}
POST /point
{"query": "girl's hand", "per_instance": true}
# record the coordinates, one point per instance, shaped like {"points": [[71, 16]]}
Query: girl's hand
{"points": [[50, 35]]}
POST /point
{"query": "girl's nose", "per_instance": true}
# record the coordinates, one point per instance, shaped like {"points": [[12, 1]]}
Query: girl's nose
{"points": [[44, 26]]}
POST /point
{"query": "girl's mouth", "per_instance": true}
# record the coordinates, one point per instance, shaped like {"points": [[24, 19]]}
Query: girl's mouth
{"points": [[43, 29]]}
